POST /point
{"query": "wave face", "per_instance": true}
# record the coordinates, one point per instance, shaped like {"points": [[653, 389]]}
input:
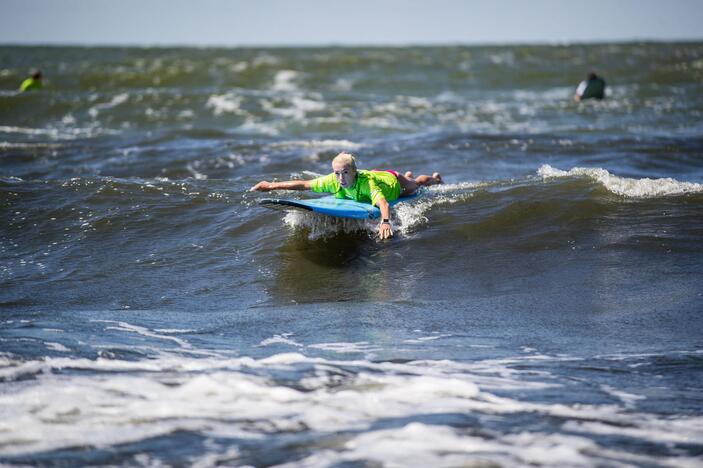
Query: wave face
{"points": [[542, 307]]}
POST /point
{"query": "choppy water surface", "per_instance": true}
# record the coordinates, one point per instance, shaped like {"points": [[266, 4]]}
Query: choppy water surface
{"points": [[542, 307]]}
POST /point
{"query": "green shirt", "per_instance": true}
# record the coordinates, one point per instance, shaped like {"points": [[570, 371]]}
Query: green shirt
{"points": [[30, 83], [369, 187]]}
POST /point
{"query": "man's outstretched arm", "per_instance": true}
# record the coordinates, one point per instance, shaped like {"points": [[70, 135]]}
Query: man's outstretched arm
{"points": [[265, 186]]}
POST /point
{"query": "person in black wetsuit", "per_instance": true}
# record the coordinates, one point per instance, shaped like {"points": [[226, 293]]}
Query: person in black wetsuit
{"points": [[593, 87]]}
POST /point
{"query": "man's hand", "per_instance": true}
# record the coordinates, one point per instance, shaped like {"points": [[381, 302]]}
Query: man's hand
{"points": [[385, 231], [262, 186]]}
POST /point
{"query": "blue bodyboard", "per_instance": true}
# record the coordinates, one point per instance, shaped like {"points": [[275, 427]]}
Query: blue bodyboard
{"points": [[331, 206]]}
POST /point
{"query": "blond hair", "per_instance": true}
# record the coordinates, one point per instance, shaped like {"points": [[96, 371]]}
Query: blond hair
{"points": [[346, 159]]}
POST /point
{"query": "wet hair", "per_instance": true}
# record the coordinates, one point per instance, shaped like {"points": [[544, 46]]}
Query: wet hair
{"points": [[592, 76], [345, 158], [36, 74]]}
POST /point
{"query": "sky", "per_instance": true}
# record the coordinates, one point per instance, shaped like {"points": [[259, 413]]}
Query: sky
{"points": [[351, 22]]}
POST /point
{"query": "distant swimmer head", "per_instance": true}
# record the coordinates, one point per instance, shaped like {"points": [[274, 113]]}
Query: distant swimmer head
{"points": [[591, 76], [344, 168], [36, 74]]}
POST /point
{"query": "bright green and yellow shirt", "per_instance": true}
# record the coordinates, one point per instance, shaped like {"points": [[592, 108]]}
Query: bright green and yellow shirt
{"points": [[30, 83], [369, 186]]}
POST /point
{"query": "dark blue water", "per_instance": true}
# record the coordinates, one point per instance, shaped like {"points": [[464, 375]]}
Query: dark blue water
{"points": [[542, 307]]}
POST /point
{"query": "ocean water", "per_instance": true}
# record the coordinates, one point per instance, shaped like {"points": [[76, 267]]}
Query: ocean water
{"points": [[543, 307]]}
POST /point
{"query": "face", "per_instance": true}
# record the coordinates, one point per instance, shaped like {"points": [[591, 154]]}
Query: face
{"points": [[345, 174]]}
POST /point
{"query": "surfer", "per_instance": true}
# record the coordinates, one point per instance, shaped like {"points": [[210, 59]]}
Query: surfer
{"points": [[377, 187], [33, 82], [593, 87]]}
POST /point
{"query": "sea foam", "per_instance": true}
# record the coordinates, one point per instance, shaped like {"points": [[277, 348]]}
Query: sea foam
{"points": [[630, 188], [285, 80], [47, 405], [115, 101], [224, 103]]}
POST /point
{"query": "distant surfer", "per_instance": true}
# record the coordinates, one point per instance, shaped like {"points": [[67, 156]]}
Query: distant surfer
{"points": [[33, 82], [593, 87], [377, 187]]}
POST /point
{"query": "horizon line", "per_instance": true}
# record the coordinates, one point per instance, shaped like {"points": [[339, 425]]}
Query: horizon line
{"points": [[175, 45]]}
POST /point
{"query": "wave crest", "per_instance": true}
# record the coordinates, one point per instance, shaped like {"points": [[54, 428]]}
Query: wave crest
{"points": [[626, 187]]}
